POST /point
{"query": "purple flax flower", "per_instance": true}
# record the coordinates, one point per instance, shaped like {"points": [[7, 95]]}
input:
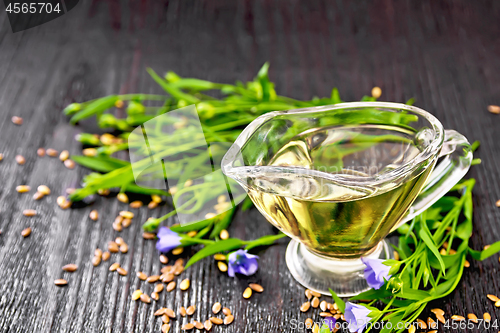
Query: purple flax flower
{"points": [[243, 263], [330, 322], [376, 272], [167, 240], [357, 317]]}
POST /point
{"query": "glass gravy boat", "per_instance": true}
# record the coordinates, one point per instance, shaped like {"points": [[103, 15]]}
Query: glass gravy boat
{"points": [[337, 179]]}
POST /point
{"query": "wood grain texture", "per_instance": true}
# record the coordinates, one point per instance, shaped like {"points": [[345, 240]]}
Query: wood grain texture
{"points": [[443, 53]]}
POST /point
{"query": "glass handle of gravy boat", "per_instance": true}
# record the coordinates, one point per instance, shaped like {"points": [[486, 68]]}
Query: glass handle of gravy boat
{"points": [[456, 155]]}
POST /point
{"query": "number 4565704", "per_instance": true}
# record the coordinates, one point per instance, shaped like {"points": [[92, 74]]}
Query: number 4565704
{"points": [[40, 7]]}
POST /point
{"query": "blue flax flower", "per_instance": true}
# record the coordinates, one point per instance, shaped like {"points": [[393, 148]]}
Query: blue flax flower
{"points": [[167, 240], [242, 262], [376, 272], [357, 317]]}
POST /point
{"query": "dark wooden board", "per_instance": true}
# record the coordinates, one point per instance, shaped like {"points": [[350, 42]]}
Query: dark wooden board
{"points": [[443, 53]]}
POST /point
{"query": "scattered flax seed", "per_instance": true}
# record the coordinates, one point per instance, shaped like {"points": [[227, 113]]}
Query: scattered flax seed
{"points": [[114, 267], [26, 232], [492, 298], [119, 241], [94, 215], [136, 295], [315, 302], [228, 320], [315, 328], [160, 312], [472, 317], [309, 323], [187, 327], [113, 247], [155, 296], [126, 214], [40, 152], [153, 278], [171, 286], [219, 256], [124, 248], [70, 268], [497, 304], [98, 253], [494, 109], [412, 329], [96, 261], [210, 215], [170, 313], [308, 293], [37, 196], [145, 298], [487, 317], [43, 189], [1, 156], [396, 255], [142, 276], [431, 323], [126, 223], [190, 310], [192, 233], [103, 191], [226, 311], [466, 263], [23, 188], [152, 205], [17, 120], [148, 235], [177, 251], [256, 287], [70, 164], [163, 259], [207, 325], [135, 204], [29, 212], [376, 92], [185, 284], [159, 288], [165, 319], [457, 318], [167, 277], [63, 203], [52, 152], [247, 293], [20, 159], [156, 198], [224, 234], [216, 307], [315, 293], [198, 325], [323, 306], [122, 197], [106, 255], [421, 324], [222, 266], [165, 328], [440, 317], [437, 311], [89, 152], [60, 282], [216, 321], [64, 155], [121, 271], [325, 314], [305, 306], [182, 311]]}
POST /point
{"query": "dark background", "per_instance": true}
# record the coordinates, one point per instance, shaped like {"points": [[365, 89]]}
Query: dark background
{"points": [[443, 53]]}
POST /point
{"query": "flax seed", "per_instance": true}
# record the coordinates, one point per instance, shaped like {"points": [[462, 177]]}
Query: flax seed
{"points": [[305, 306], [70, 164], [122, 197], [43, 189], [114, 267], [179, 262], [96, 261], [325, 314], [152, 205], [145, 298], [309, 323], [192, 233], [165, 319], [167, 277], [216, 307], [103, 191], [29, 212], [171, 286], [190, 310], [315, 328], [437, 311], [376, 92], [98, 253], [487, 317], [492, 298], [159, 312], [494, 109], [224, 234], [170, 313], [497, 203], [37, 196], [431, 323], [457, 318], [136, 295], [106, 255], [126, 223], [26, 232], [1, 156], [440, 317], [497, 304], [185, 284], [124, 248], [126, 214], [136, 204], [421, 324], [308, 293], [52, 152], [187, 327], [165, 328], [256, 287], [64, 155], [142, 276], [228, 320], [40, 152], [207, 325], [155, 296], [177, 251], [198, 325], [113, 247], [247, 293], [219, 256], [156, 198], [182, 311], [472, 317], [119, 241], [396, 255], [70, 268], [411, 329], [216, 321], [122, 271], [153, 278], [159, 288], [163, 259], [466, 263], [209, 216], [315, 293], [94, 215], [323, 306], [226, 311], [222, 266], [60, 282], [23, 188], [315, 302], [17, 120], [89, 152]]}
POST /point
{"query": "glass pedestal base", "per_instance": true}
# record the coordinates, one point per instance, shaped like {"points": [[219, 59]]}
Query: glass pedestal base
{"points": [[344, 276]]}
